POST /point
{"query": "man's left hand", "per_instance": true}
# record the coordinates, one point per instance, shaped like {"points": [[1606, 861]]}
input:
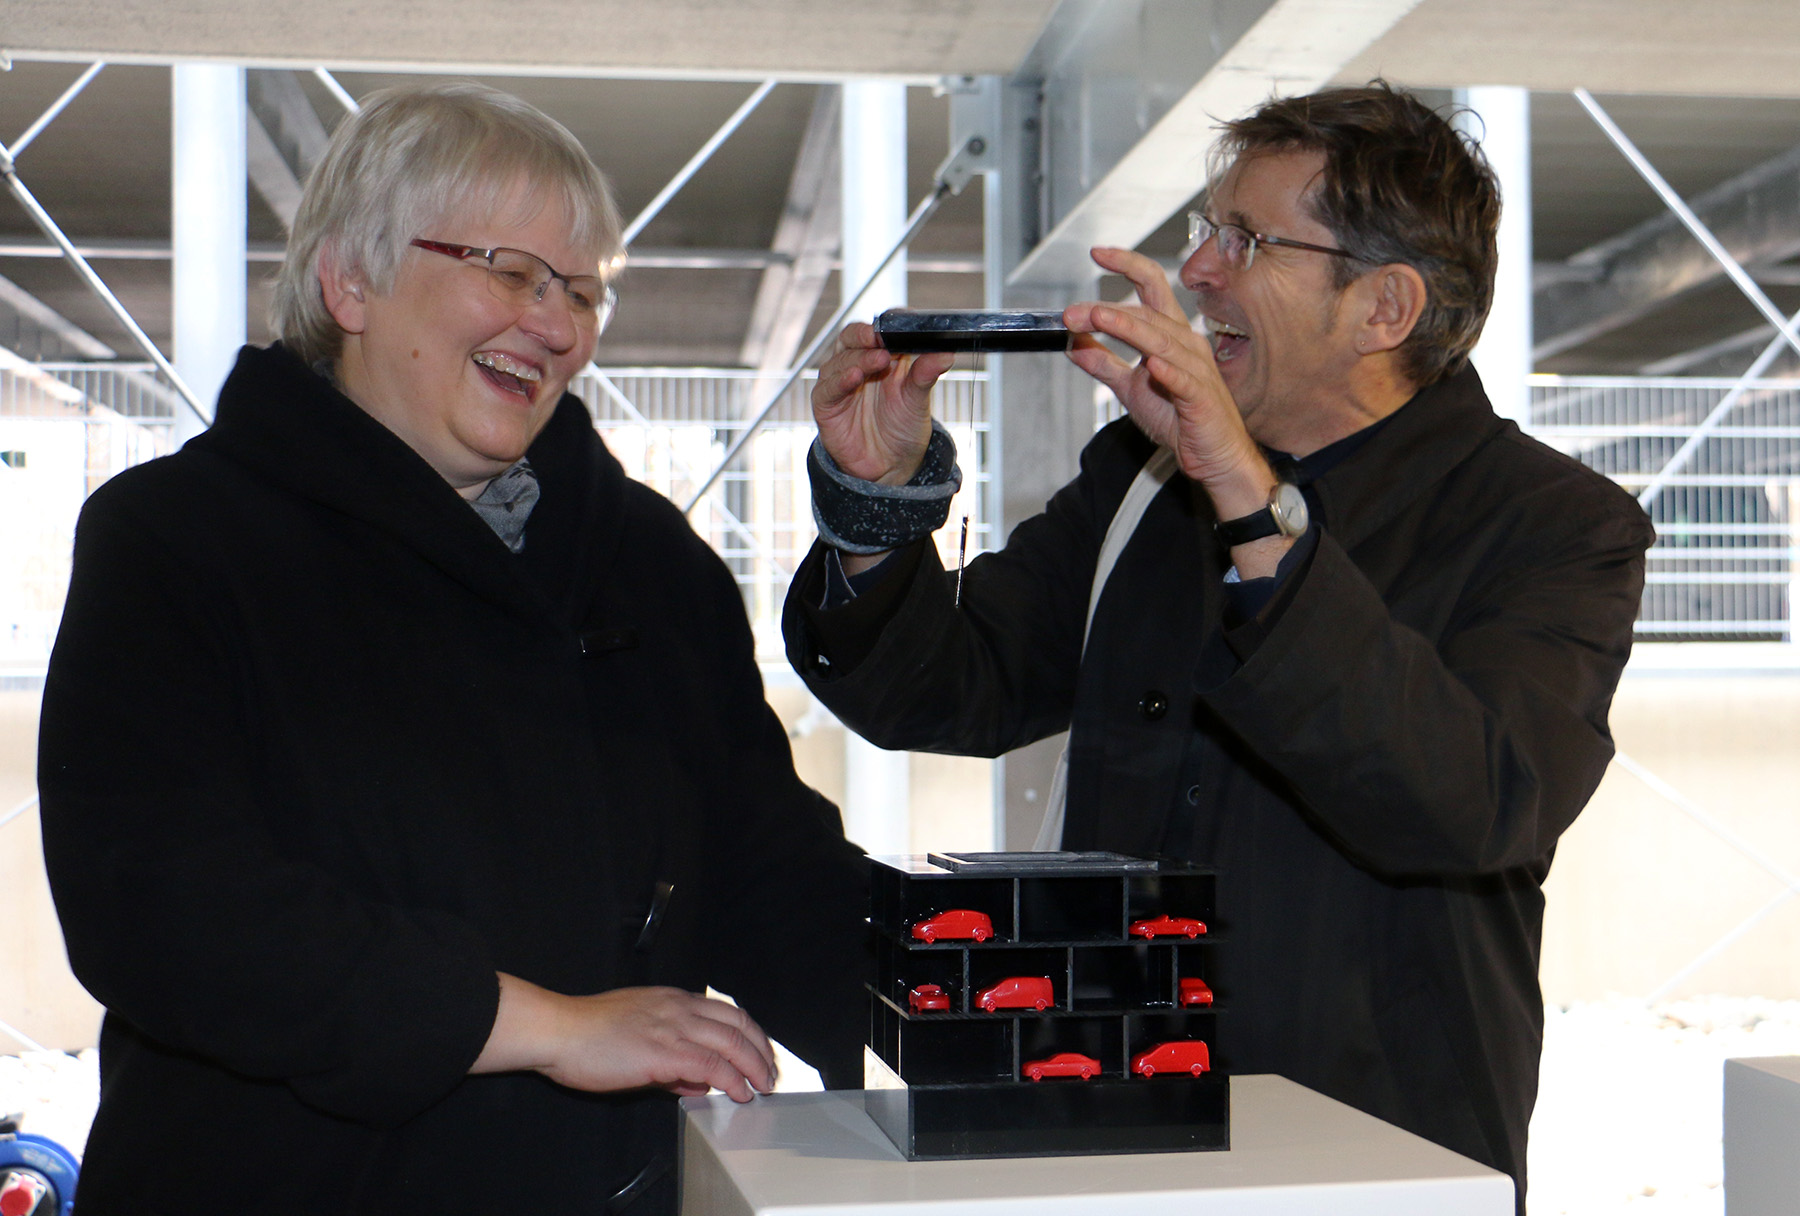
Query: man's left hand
{"points": [[1174, 392]]}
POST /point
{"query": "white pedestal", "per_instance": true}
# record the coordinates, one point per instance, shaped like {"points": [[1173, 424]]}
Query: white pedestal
{"points": [[1292, 1151], [1762, 1133]]}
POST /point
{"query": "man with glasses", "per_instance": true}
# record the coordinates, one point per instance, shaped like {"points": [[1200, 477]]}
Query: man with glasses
{"points": [[1312, 615]]}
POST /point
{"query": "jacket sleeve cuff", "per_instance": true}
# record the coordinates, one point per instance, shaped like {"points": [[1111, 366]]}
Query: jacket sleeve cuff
{"points": [[1254, 608], [839, 638], [866, 517], [419, 1020]]}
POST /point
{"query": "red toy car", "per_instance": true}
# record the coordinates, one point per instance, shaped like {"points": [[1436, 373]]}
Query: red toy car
{"points": [[1166, 925], [955, 924], [1017, 992], [1062, 1064], [927, 996], [1183, 1055], [1195, 992]]}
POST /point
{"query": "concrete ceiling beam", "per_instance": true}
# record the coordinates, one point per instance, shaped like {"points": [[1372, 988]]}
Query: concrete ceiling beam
{"points": [[1131, 94], [1675, 364], [1755, 215], [285, 139], [805, 244], [39, 332], [1741, 48], [790, 39], [269, 173]]}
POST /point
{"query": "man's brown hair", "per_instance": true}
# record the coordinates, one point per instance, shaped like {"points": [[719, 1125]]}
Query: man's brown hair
{"points": [[1400, 185]]}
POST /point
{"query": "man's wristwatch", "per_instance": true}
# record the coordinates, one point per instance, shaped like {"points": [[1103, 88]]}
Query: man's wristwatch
{"points": [[1286, 514]]}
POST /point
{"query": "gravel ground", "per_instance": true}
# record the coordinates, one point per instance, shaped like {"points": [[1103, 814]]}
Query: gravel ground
{"points": [[55, 1092], [1627, 1120], [1628, 1114]]}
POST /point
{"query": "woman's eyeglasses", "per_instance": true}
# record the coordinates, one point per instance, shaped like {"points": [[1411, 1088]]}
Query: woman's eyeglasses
{"points": [[1237, 245], [522, 278]]}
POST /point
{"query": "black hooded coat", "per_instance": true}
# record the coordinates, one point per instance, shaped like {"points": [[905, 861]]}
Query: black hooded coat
{"points": [[319, 756]]}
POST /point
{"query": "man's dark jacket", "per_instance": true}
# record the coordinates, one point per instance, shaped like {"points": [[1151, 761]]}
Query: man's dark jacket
{"points": [[1379, 766], [319, 756]]}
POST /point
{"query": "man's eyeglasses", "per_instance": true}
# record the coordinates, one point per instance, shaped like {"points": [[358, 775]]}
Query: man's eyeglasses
{"points": [[522, 278], [1237, 245]]}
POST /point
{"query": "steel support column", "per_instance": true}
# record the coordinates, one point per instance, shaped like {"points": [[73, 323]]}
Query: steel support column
{"points": [[1500, 117], [210, 184], [877, 783], [1041, 406]]}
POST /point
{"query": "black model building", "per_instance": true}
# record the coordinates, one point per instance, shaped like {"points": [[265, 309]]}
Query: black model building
{"points": [[1036, 1004]]}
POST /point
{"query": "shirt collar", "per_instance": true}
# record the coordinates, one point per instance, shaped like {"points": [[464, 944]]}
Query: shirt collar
{"points": [[1304, 470]]}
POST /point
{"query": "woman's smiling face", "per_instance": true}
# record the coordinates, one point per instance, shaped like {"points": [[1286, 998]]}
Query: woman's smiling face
{"points": [[466, 378]]}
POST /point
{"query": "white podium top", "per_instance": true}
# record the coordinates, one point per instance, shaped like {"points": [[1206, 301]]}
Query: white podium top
{"points": [[1292, 1151], [1762, 1126]]}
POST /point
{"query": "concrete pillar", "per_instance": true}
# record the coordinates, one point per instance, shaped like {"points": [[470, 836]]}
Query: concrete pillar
{"points": [[873, 135], [1043, 411], [210, 191], [1045, 418], [877, 783], [1503, 356]]}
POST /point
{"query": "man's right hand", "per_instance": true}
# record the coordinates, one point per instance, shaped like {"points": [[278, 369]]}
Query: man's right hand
{"points": [[873, 408]]}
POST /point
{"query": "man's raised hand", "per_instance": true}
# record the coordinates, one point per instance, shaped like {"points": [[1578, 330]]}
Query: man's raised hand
{"points": [[1173, 392], [873, 409]]}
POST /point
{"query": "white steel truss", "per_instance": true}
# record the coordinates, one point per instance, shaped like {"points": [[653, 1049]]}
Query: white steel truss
{"points": [[1787, 334], [49, 227]]}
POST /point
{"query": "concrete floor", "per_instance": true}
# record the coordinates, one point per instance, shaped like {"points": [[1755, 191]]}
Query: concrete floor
{"points": [[38, 995], [1639, 888]]}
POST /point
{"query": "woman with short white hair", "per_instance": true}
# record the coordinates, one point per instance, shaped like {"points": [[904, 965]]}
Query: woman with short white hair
{"points": [[405, 771]]}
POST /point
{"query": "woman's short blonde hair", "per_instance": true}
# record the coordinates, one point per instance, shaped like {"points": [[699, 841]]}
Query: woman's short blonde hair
{"points": [[414, 157]]}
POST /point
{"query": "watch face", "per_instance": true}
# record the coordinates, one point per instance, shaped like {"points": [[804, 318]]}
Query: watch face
{"points": [[1288, 505]]}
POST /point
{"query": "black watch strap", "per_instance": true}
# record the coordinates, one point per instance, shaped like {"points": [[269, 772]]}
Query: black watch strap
{"points": [[1246, 528], [1286, 514]]}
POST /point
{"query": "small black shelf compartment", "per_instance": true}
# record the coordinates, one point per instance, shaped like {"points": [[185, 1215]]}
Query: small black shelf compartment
{"points": [[944, 1084]]}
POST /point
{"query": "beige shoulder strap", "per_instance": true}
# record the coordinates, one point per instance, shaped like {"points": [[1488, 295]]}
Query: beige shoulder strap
{"points": [[1150, 480]]}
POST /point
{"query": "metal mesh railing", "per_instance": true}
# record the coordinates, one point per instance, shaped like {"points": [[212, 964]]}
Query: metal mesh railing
{"points": [[671, 426], [668, 426], [1723, 566], [64, 429], [1727, 518]]}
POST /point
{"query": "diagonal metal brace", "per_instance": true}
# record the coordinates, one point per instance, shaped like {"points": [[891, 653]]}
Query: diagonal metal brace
{"points": [[1716, 416], [49, 228], [924, 211], [654, 207], [56, 107], [1733, 269]]}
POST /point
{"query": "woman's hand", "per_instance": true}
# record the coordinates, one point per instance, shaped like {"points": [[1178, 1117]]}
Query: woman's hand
{"points": [[629, 1038], [873, 409]]}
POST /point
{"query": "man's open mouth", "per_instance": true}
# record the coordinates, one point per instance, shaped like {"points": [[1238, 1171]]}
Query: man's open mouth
{"points": [[1228, 341]]}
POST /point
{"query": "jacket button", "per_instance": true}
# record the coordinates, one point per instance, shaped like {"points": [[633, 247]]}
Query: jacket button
{"points": [[1154, 705], [1193, 795]]}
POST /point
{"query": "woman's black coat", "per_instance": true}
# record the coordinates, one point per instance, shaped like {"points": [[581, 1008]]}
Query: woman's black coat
{"points": [[319, 756]]}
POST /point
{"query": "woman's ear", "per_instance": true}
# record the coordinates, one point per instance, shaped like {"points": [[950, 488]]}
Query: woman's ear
{"points": [[1396, 295], [343, 290]]}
